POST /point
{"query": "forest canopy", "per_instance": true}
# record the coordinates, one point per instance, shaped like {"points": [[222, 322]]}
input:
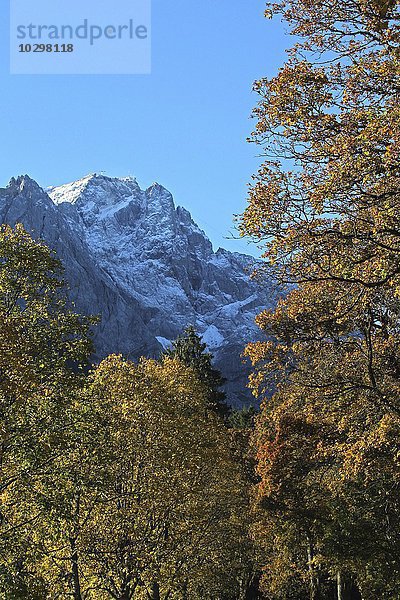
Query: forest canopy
{"points": [[117, 480]]}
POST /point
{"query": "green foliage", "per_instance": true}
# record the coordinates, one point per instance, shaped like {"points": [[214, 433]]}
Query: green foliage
{"points": [[192, 352], [243, 419]]}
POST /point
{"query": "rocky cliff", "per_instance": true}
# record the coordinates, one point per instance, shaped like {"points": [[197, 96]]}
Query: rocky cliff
{"points": [[141, 263]]}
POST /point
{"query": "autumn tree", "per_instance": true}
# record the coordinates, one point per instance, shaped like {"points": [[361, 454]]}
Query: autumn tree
{"points": [[171, 520], [148, 501], [332, 114], [117, 484], [325, 204], [43, 345]]}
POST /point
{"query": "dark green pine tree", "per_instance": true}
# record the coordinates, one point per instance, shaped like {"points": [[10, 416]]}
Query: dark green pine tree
{"points": [[192, 352], [243, 418]]}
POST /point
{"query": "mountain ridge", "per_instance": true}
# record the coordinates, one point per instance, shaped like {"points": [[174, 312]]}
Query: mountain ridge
{"points": [[145, 266]]}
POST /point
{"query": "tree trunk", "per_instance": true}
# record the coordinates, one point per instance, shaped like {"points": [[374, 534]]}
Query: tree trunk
{"points": [[314, 579], [127, 593], [155, 591], [252, 591], [76, 586], [346, 589], [339, 581], [185, 591]]}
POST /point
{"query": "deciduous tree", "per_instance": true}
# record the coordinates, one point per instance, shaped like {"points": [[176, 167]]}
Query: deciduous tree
{"points": [[43, 345], [325, 205]]}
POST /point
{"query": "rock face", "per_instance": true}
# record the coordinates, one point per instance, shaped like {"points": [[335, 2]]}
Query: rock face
{"points": [[141, 263]]}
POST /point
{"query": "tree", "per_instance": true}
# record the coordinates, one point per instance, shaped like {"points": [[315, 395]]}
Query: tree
{"points": [[325, 206], [43, 345], [171, 521], [117, 484], [243, 418], [325, 200], [149, 502], [241, 424], [327, 502], [191, 351]]}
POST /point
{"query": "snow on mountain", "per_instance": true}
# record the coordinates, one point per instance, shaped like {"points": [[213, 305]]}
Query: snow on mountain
{"points": [[145, 266]]}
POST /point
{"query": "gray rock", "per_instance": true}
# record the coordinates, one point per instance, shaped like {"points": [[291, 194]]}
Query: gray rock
{"points": [[145, 267]]}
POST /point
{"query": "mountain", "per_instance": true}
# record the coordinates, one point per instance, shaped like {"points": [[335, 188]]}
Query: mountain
{"points": [[141, 263]]}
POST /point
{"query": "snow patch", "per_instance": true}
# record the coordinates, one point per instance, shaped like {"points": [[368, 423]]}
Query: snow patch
{"points": [[166, 344], [213, 337]]}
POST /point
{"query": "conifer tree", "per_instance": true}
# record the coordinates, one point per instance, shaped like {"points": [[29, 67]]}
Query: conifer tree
{"points": [[243, 418], [192, 352]]}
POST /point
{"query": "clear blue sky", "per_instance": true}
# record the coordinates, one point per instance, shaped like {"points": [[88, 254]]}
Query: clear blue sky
{"points": [[185, 125]]}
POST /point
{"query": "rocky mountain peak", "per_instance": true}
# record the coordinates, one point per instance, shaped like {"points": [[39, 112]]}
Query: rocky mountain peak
{"points": [[145, 267], [23, 184], [96, 189]]}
